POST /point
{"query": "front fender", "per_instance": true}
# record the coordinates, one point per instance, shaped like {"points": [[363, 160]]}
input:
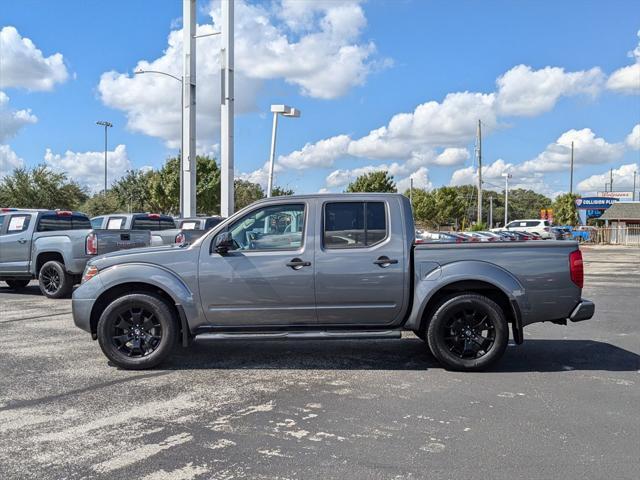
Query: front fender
{"points": [[432, 277], [155, 275]]}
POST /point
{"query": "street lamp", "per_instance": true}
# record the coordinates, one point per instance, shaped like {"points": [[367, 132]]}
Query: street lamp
{"points": [[285, 111], [140, 72], [105, 124], [506, 176]]}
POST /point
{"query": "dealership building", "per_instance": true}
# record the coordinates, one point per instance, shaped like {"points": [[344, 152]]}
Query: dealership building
{"points": [[622, 214]]}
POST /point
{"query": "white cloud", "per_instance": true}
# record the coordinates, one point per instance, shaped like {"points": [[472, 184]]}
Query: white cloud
{"points": [[325, 60], [491, 173], [627, 79], [420, 180], [9, 160], [452, 156], [87, 168], [622, 179], [24, 66], [526, 92], [11, 121], [588, 149], [319, 154], [633, 139]]}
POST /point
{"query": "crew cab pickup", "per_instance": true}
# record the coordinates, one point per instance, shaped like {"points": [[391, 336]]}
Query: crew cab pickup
{"points": [[161, 227], [328, 267], [54, 247]]}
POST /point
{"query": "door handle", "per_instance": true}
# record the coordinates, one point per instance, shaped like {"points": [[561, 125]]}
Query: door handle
{"points": [[384, 261], [298, 263], [22, 240]]}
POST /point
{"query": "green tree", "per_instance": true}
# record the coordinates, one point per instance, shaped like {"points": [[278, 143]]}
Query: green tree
{"points": [[564, 209], [245, 193], [281, 191], [40, 187], [451, 207], [423, 203], [132, 192], [101, 204], [379, 181], [164, 187]]}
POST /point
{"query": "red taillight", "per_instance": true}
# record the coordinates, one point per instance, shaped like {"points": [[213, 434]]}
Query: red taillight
{"points": [[64, 213], [8, 209], [576, 268], [91, 244], [180, 238], [154, 216]]}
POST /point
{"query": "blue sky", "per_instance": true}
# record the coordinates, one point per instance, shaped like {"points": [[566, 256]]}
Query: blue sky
{"points": [[351, 67]]}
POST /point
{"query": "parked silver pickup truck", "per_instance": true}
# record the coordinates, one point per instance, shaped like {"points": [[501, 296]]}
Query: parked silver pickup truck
{"points": [[54, 247], [162, 227], [328, 266]]}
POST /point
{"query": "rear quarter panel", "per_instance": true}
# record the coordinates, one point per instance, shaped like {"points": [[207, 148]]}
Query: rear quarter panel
{"points": [[535, 274], [68, 243]]}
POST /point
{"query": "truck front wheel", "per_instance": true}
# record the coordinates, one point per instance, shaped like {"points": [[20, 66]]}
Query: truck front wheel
{"points": [[54, 280], [137, 331], [468, 332]]}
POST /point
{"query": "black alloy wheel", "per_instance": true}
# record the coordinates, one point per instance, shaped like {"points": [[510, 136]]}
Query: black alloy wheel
{"points": [[467, 332], [54, 281], [138, 330]]}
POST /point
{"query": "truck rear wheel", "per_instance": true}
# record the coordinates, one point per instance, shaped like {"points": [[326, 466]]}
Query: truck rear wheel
{"points": [[54, 280], [468, 332], [17, 284], [137, 331]]}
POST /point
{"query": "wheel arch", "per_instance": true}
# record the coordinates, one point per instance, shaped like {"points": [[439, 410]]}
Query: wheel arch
{"points": [[48, 256], [482, 287]]}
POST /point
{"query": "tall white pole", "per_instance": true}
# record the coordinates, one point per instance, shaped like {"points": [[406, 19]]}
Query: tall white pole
{"points": [[272, 155], [506, 200], [226, 111], [188, 158], [479, 153]]}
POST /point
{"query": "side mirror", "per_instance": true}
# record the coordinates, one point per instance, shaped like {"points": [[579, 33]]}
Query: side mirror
{"points": [[224, 243]]}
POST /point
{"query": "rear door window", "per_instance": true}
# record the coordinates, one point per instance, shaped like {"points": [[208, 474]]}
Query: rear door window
{"points": [[212, 222], [152, 223], [18, 223], [96, 222], [354, 224]]}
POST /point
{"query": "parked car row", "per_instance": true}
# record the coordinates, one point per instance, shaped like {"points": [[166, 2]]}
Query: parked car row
{"points": [[53, 246], [481, 236]]}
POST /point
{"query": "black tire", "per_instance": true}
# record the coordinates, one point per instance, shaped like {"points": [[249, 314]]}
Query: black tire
{"points": [[17, 284], [137, 331], [468, 332], [54, 280]]}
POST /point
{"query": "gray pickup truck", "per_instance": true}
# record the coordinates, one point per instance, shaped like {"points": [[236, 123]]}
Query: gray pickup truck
{"points": [[328, 266], [54, 247], [162, 228], [191, 229]]}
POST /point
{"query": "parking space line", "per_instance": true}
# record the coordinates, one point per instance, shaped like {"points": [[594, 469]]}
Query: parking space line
{"points": [[36, 317]]}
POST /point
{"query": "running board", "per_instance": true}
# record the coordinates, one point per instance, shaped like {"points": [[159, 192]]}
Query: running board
{"points": [[312, 335]]}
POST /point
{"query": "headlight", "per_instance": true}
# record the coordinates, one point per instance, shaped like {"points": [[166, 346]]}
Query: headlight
{"points": [[89, 272]]}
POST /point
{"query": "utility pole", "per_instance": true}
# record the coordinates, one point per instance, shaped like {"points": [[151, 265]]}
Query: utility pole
{"points": [[506, 176], [571, 178], [490, 212], [611, 179], [188, 154], [226, 111], [479, 154], [106, 125], [411, 190]]}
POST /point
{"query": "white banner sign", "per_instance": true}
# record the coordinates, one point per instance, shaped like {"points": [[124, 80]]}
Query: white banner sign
{"points": [[618, 195]]}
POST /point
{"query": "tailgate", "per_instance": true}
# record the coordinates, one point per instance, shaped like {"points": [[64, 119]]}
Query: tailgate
{"points": [[113, 240]]}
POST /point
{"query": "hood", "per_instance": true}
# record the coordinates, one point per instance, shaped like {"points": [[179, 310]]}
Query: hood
{"points": [[145, 253]]}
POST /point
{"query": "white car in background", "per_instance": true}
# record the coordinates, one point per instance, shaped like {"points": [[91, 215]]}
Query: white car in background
{"points": [[541, 227]]}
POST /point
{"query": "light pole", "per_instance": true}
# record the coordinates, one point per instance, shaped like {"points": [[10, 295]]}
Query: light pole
{"points": [[506, 176], [105, 124], [140, 72], [285, 111]]}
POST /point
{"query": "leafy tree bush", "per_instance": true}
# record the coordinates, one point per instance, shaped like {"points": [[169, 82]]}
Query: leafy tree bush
{"points": [[40, 187], [379, 181]]}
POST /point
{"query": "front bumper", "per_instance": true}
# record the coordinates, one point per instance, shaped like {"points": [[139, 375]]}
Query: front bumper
{"points": [[583, 311]]}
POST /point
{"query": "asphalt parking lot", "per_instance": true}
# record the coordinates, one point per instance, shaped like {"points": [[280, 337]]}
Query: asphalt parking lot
{"points": [[566, 403]]}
